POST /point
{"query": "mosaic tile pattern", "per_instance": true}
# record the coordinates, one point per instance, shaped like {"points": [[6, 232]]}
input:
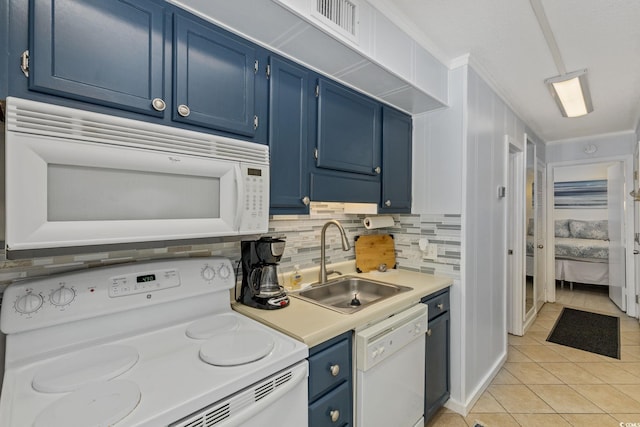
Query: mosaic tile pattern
{"points": [[302, 233]]}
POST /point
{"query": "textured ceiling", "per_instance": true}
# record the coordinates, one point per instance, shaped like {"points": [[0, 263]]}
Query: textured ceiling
{"points": [[506, 45]]}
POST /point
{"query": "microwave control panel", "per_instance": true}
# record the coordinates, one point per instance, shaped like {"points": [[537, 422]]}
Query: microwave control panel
{"points": [[255, 214]]}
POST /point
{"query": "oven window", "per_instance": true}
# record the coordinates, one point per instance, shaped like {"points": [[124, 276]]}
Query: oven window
{"points": [[80, 193]]}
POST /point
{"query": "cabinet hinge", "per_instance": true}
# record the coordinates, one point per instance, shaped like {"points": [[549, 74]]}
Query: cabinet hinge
{"points": [[255, 122], [268, 71], [24, 63], [256, 67], [317, 91], [315, 154], [635, 175], [637, 302]]}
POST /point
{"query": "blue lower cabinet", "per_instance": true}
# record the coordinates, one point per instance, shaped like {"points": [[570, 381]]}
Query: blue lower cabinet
{"points": [[332, 409], [104, 52], [331, 383], [437, 354]]}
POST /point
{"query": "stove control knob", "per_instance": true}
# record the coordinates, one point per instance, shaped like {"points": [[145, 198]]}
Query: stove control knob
{"points": [[208, 273], [29, 303], [224, 271], [62, 296]]}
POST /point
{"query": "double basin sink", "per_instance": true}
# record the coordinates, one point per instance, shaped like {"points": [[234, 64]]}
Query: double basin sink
{"points": [[349, 294]]}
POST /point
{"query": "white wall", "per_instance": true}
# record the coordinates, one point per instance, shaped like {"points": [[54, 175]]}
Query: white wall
{"points": [[437, 153], [484, 232], [460, 160]]}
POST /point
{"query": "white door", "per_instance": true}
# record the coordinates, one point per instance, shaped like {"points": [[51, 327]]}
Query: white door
{"points": [[617, 265]]}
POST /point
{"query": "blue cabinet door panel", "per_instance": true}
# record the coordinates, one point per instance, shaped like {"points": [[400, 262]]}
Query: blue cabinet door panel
{"points": [[348, 133], [214, 77], [288, 136], [396, 161], [109, 53], [344, 188]]}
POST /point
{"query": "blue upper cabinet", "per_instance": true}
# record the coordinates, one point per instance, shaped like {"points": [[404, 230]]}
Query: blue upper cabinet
{"points": [[348, 132], [214, 78], [289, 89], [105, 52], [396, 161]]}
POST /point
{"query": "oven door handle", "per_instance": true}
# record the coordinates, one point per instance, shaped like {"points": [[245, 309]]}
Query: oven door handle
{"points": [[298, 374]]}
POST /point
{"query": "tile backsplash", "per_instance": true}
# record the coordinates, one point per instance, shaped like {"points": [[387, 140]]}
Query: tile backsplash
{"points": [[302, 234]]}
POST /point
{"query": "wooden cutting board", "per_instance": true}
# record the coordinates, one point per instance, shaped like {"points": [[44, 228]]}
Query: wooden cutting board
{"points": [[373, 250]]}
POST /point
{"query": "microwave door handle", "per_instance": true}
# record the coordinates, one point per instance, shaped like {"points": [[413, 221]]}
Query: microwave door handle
{"points": [[240, 197]]}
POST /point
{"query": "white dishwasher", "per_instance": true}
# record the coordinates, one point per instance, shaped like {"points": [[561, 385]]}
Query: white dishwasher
{"points": [[390, 370]]}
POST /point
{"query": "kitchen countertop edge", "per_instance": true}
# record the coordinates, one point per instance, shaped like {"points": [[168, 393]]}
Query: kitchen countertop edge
{"points": [[313, 324]]}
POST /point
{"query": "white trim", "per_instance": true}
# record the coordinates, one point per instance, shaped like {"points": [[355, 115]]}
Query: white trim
{"points": [[516, 203], [465, 408], [590, 137]]}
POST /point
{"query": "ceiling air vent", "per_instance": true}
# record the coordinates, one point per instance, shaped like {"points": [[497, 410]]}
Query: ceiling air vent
{"points": [[342, 14]]}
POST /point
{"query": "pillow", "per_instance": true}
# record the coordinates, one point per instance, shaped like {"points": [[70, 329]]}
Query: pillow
{"points": [[562, 228], [598, 230]]}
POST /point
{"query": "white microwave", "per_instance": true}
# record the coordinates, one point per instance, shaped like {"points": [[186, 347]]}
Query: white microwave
{"points": [[78, 178]]}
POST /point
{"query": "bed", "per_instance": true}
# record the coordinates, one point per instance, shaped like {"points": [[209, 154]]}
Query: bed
{"points": [[581, 251]]}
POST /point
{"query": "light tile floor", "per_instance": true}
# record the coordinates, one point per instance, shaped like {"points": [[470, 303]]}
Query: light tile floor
{"points": [[546, 384]]}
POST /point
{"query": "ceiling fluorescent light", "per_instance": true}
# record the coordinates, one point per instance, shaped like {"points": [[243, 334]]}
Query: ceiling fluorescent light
{"points": [[571, 92]]}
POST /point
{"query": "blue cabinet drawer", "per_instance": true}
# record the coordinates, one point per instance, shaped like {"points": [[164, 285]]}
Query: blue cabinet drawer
{"points": [[328, 368], [335, 405], [437, 304]]}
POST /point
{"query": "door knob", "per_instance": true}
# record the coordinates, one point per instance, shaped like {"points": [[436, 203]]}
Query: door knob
{"points": [[335, 415], [540, 246], [306, 200]]}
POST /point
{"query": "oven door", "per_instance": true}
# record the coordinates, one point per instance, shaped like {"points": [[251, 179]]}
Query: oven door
{"points": [[62, 192]]}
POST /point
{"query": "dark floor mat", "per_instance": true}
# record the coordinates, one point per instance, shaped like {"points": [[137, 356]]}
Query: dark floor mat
{"points": [[593, 332]]}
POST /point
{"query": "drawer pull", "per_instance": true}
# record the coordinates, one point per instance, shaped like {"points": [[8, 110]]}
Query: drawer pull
{"points": [[440, 306], [183, 110], [335, 370], [335, 415], [158, 104], [429, 332]]}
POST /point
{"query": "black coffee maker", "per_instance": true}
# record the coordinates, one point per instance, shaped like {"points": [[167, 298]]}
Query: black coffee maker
{"points": [[260, 285]]}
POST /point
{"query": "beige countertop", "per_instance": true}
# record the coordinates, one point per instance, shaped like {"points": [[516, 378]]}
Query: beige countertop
{"points": [[313, 324]]}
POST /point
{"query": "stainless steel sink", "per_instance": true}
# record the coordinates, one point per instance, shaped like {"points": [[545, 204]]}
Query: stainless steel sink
{"points": [[349, 294]]}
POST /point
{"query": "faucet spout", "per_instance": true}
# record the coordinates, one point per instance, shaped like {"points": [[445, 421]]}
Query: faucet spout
{"points": [[323, 246]]}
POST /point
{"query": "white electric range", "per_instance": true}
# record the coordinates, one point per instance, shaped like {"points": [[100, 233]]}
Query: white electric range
{"points": [[145, 344]]}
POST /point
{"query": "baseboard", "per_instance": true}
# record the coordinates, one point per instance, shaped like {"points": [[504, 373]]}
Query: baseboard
{"points": [[464, 408]]}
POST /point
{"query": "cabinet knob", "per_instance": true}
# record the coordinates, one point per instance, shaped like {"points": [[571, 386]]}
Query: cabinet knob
{"points": [[183, 110], [440, 306], [158, 104], [540, 246], [377, 170], [387, 203], [429, 332], [335, 415], [306, 200], [335, 370]]}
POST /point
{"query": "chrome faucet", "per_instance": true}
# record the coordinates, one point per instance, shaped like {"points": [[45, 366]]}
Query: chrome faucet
{"points": [[345, 247]]}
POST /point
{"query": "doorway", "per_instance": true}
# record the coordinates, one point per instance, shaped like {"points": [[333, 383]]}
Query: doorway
{"points": [[582, 195]]}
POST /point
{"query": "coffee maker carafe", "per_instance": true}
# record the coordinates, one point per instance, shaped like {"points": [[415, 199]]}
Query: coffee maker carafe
{"points": [[260, 285]]}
